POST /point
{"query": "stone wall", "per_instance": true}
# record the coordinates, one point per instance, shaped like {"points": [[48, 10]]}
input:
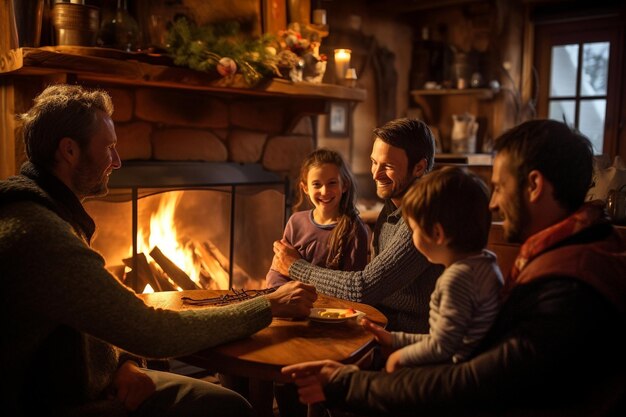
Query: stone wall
{"points": [[171, 125]]}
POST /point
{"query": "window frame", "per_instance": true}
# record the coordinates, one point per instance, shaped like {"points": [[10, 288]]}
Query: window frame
{"points": [[599, 29]]}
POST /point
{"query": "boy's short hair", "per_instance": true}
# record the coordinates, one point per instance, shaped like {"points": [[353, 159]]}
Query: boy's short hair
{"points": [[456, 199]]}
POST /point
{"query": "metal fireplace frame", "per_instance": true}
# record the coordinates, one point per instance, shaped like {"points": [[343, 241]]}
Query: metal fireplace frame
{"points": [[172, 175]]}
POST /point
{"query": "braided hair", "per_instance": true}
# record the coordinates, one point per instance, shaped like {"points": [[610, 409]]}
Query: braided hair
{"points": [[344, 233]]}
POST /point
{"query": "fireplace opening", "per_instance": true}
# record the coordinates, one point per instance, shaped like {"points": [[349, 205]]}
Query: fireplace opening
{"points": [[185, 225]]}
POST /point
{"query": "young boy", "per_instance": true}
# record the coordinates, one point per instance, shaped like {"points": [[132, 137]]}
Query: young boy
{"points": [[448, 213]]}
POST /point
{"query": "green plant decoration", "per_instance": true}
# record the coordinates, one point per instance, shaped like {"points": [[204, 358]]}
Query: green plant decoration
{"points": [[204, 48]]}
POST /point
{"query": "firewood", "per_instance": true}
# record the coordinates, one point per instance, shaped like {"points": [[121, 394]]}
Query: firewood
{"points": [[240, 277], [174, 272], [206, 281], [212, 266], [166, 284], [134, 279], [158, 281], [144, 275]]}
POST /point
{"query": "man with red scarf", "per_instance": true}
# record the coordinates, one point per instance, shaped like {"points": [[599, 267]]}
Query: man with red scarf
{"points": [[557, 346]]}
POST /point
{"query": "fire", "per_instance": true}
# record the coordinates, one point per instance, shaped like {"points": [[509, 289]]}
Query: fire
{"points": [[163, 234]]}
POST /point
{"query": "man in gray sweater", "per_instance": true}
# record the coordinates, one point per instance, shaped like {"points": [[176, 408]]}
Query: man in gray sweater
{"points": [[399, 279], [73, 335]]}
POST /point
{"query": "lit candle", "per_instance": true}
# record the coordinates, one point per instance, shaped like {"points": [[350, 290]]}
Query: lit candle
{"points": [[342, 63], [319, 17]]}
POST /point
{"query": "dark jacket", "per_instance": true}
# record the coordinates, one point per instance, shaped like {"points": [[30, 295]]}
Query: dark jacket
{"points": [[557, 348]]}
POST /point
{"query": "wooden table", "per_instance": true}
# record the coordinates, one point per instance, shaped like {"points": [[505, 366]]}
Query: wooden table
{"points": [[284, 342]]}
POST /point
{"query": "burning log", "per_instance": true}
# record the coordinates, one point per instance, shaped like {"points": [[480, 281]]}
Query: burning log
{"points": [[166, 284], [132, 281], [206, 281], [142, 274], [133, 278], [143, 271], [240, 277], [212, 266], [157, 280], [174, 272]]}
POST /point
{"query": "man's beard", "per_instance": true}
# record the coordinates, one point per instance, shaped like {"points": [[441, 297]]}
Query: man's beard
{"points": [[518, 218], [399, 191], [88, 181]]}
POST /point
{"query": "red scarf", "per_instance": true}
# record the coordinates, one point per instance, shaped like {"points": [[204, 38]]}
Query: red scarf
{"points": [[588, 215]]}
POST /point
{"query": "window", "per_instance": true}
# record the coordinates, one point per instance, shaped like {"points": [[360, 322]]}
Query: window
{"points": [[577, 91], [578, 77]]}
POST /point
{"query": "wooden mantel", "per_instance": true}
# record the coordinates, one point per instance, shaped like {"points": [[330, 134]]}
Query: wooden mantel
{"points": [[140, 69]]}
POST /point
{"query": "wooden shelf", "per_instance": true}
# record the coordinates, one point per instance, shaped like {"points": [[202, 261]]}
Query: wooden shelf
{"points": [[142, 69], [480, 93]]}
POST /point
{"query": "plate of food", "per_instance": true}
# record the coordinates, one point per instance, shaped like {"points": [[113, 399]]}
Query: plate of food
{"points": [[333, 315]]}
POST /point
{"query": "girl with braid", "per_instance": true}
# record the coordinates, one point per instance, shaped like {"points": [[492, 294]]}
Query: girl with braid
{"points": [[330, 234]]}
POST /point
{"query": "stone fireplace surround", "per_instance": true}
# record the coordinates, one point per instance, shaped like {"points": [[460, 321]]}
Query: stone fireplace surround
{"points": [[178, 134], [171, 125]]}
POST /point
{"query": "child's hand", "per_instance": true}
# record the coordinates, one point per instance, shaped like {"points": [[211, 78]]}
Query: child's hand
{"points": [[393, 362], [381, 335]]}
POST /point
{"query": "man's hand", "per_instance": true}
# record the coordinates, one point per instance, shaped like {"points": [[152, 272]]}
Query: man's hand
{"points": [[381, 335], [284, 256], [293, 299], [311, 377], [131, 385]]}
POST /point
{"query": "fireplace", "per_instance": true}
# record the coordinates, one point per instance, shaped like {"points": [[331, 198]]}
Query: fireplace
{"points": [[222, 159], [170, 225]]}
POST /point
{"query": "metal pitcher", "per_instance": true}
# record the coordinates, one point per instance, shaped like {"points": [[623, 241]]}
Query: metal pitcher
{"points": [[464, 131]]}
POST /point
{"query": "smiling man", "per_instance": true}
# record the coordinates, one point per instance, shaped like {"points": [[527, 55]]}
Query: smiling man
{"points": [[399, 279]]}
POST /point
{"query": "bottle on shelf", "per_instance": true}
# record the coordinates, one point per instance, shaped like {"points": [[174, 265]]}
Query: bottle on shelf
{"points": [[119, 29]]}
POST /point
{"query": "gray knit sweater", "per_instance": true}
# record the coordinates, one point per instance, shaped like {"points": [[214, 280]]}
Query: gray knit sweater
{"points": [[63, 314], [398, 281]]}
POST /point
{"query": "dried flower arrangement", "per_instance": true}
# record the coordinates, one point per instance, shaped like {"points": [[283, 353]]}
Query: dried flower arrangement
{"points": [[222, 49]]}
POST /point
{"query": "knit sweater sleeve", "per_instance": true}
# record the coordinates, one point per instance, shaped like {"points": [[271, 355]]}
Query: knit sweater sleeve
{"points": [[66, 284], [384, 275], [462, 309], [450, 314]]}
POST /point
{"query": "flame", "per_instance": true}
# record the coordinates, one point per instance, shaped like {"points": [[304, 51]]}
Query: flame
{"points": [[163, 234]]}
